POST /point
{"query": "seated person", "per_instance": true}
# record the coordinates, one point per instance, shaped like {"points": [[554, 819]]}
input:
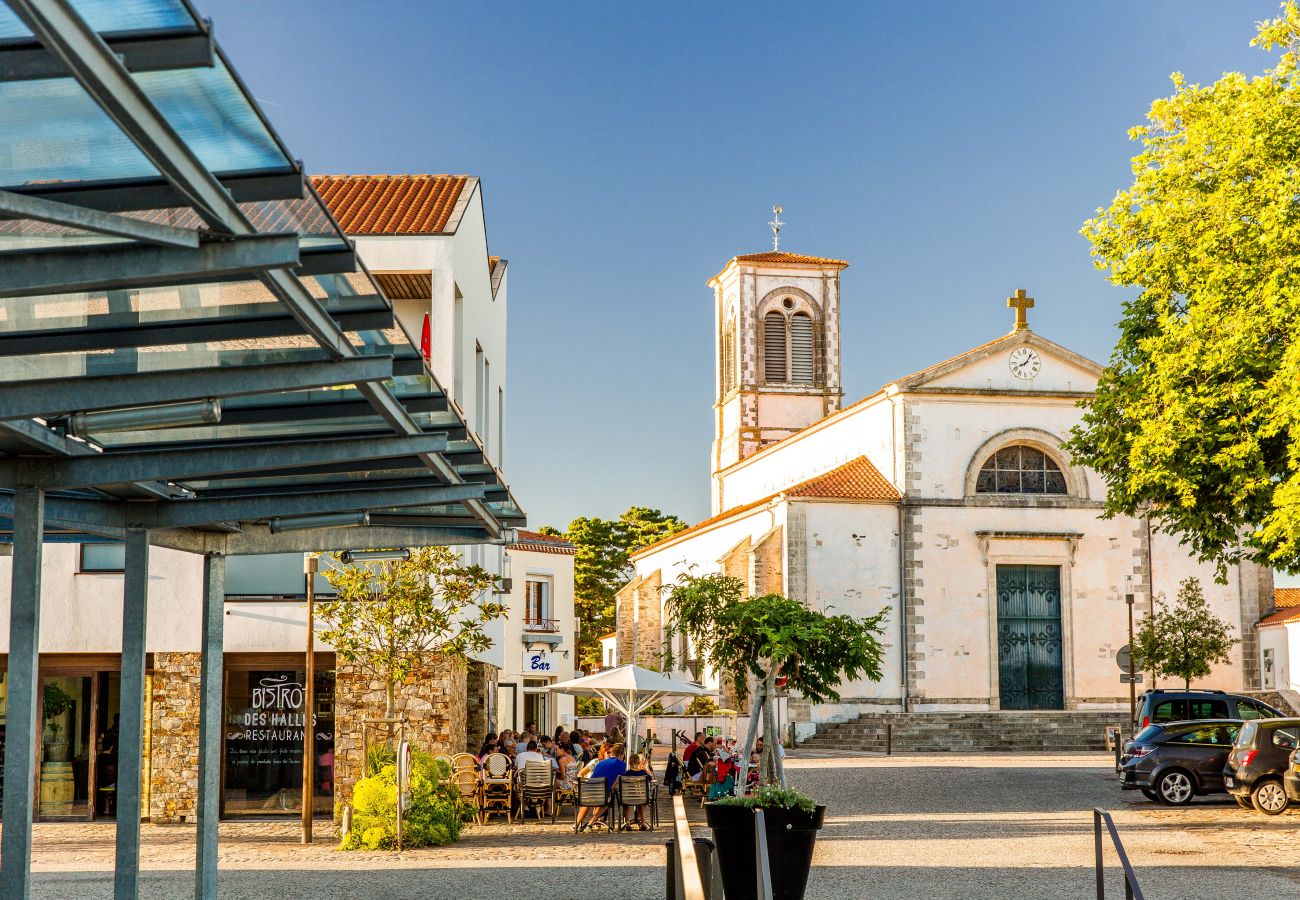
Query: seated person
{"points": [[530, 754], [609, 768], [636, 767], [700, 759]]}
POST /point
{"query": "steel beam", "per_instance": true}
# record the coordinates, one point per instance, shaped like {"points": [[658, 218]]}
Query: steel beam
{"points": [[164, 51], [72, 513], [334, 409], [115, 332], [23, 725], [130, 749], [210, 722], [44, 439], [21, 206], [254, 540], [54, 397], [214, 462], [246, 509], [158, 193], [29, 273]]}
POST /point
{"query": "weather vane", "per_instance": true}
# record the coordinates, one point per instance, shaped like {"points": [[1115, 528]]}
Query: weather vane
{"points": [[776, 224]]}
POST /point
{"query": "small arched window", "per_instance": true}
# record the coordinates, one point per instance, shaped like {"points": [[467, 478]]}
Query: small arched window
{"points": [[802, 364], [1020, 470], [775, 364]]}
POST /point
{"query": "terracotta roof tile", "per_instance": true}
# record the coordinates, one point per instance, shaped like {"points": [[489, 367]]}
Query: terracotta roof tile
{"points": [[542, 543], [1285, 598], [857, 480], [798, 259], [1282, 616], [392, 204]]}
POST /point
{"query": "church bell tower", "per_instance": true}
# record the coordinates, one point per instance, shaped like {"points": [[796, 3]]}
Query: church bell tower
{"points": [[777, 320]]}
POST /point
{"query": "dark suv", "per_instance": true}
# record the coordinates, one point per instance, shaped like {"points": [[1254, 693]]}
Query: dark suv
{"points": [[1259, 759], [1174, 761], [1160, 706]]}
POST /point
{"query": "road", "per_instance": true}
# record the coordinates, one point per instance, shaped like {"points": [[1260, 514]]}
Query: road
{"points": [[912, 826]]}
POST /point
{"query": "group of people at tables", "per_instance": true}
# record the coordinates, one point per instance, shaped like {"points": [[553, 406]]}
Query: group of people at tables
{"points": [[716, 763]]}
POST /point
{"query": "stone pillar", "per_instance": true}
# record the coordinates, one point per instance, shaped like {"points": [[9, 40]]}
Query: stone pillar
{"points": [[174, 750], [625, 602], [480, 701], [433, 699], [649, 637]]}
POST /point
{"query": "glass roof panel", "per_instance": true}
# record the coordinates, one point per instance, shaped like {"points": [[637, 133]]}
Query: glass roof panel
{"points": [[113, 16], [55, 132]]}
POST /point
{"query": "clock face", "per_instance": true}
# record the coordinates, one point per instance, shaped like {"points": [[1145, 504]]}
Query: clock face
{"points": [[1024, 363]]}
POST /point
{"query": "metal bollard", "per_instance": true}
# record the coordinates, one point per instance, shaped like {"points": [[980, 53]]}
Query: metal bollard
{"points": [[704, 856], [889, 738]]}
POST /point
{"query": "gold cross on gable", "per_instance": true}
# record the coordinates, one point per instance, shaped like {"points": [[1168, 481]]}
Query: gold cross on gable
{"points": [[1020, 303]]}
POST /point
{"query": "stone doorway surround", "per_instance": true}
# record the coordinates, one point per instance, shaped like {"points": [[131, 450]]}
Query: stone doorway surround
{"points": [[1032, 548]]}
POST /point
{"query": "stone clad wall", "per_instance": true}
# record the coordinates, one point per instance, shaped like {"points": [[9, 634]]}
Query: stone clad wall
{"points": [[480, 690], [433, 700], [174, 750]]}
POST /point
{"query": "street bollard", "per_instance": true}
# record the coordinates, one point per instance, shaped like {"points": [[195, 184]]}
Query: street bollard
{"points": [[889, 738]]}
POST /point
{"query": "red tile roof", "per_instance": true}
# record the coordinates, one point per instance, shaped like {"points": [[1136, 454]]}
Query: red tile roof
{"points": [[542, 543], [1282, 616], [392, 204], [856, 480], [798, 259], [1284, 598]]}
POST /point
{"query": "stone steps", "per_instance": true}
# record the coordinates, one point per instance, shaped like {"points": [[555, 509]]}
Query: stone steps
{"points": [[970, 732]]}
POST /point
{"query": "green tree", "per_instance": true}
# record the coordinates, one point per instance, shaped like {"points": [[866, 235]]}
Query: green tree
{"points": [[771, 637], [601, 566], [1196, 421], [388, 616], [1183, 640]]}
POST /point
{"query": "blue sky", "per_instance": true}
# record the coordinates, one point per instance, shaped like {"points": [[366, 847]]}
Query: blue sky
{"points": [[949, 151]]}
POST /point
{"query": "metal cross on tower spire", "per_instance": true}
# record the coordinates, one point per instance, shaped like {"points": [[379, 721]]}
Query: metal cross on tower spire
{"points": [[776, 224]]}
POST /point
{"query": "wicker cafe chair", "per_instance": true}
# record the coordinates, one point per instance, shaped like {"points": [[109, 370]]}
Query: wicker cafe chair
{"points": [[471, 791], [498, 787], [591, 792], [537, 789], [464, 761], [692, 788], [442, 762], [566, 789], [634, 790]]}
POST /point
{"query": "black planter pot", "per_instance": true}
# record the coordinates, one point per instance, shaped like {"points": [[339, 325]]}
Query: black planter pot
{"points": [[791, 834]]}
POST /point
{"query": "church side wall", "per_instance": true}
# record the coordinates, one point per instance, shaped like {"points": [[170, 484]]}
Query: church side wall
{"points": [[864, 431], [851, 551]]}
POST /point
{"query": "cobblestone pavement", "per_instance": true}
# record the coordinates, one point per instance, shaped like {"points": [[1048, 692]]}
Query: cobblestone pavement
{"points": [[908, 826]]}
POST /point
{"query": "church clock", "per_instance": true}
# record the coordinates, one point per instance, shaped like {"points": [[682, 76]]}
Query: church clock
{"points": [[1024, 363]]}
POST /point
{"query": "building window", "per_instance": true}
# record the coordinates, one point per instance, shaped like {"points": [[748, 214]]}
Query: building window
{"points": [[789, 347], [1020, 470], [728, 361], [537, 605], [103, 558]]}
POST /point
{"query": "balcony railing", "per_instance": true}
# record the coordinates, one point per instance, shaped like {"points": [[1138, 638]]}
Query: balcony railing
{"points": [[550, 626]]}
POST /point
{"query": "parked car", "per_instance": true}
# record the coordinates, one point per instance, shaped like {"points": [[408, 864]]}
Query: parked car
{"points": [[1158, 706], [1291, 780], [1260, 758], [1173, 762]]}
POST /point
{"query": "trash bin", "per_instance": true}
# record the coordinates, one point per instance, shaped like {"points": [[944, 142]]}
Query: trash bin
{"points": [[703, 858]]}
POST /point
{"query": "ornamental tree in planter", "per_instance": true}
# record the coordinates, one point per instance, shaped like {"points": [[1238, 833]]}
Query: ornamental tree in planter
{"points": [[760, 640]]}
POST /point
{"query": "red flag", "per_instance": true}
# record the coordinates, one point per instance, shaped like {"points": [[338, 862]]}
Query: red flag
{"points": [[426, 340]]}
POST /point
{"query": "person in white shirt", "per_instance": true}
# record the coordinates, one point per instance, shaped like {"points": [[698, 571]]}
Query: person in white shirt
{"points": [[530, 755]]}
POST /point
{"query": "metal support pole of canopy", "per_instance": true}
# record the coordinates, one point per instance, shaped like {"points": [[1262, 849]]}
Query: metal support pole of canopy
{"points": [[135, 596]]}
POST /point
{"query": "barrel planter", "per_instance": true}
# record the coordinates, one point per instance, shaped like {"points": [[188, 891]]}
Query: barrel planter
{"points": [[791, 835]]}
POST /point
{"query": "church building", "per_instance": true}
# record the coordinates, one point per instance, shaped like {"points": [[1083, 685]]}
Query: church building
{"points": [[945, 496]]}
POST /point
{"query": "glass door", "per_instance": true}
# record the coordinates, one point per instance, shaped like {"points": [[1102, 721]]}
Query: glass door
{"points": [[67, 741]]}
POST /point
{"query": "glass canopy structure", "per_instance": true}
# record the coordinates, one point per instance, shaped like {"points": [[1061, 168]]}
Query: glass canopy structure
{"points": [[191, 356]]}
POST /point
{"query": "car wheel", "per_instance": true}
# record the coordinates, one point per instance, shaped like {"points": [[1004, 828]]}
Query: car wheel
{"points": [[1243, 802], [1151, 795], [1175, 788], [1268, 797]]}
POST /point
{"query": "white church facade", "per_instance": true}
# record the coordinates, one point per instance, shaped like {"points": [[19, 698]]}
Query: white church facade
{"points": [[945, 496]]}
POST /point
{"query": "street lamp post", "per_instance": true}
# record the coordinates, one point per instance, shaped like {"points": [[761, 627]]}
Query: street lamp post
{"points": [[1132, 681], [311, 563]]}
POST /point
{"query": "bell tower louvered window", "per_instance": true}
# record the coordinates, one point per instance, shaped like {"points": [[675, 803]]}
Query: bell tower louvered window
{"points": [[802, 364], [775, 362], [729, 357]]}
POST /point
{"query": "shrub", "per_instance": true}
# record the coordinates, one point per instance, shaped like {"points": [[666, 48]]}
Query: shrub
{"points": [[590, 706], [436, 815], [771, 796], [702, 706]]}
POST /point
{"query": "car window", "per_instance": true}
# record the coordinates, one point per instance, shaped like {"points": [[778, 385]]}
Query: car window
{"points": [[1284, 738], [1169, 711], [1208, 734], [1147, 733], [1248, 709], [1227, 733], [1207, 709], [1246, 736]]}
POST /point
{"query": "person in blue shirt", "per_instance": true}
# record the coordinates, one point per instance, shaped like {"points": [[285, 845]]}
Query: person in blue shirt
{"points": [[609, 768]]}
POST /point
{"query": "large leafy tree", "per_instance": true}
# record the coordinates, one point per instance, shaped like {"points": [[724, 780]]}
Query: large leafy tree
{"points": [[1184, 639], [770, 637], [1196, 421], [601, 566], [389, 615]]}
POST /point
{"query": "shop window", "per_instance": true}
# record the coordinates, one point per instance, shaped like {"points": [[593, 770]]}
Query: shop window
{"points": [[266, 716], [103, 557]]}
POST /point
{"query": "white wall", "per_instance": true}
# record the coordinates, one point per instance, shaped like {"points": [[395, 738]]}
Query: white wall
{"points": [[557, 568], [1284, 641]]}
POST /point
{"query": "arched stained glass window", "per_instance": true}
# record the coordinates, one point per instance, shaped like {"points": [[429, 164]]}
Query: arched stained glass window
{"points": [[775, 368], [1020, 470]]}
